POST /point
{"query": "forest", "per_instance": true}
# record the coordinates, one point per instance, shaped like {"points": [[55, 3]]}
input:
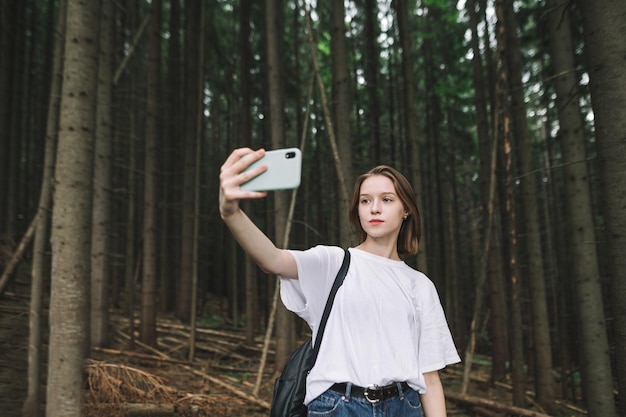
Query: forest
{"points": [[506, 116]]}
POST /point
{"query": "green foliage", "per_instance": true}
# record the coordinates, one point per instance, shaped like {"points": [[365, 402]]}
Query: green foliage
{"points": [[210, 321]]}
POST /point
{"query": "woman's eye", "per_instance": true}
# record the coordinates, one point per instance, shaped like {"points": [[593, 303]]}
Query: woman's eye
{"points": [[365, 200], [387, 199]]}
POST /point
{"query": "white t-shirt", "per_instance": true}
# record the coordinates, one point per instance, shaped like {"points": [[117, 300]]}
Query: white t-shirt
{"points": [[386, 325]]}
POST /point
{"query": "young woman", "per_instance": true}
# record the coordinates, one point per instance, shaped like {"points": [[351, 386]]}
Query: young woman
{"points": [[387, 337]]}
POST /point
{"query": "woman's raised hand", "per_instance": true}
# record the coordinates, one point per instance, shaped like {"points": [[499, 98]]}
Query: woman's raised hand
{"points": [[232, 176]]}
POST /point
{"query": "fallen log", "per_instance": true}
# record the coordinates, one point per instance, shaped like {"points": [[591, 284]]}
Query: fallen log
{"points": [[139, 410], [450, 370], [139, 355], [246, 396], [19, 253], [492, 405], [242, 394], [155, 358]]}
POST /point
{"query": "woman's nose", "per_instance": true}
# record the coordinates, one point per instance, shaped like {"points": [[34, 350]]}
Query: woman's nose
{"points": [[376, 206]]}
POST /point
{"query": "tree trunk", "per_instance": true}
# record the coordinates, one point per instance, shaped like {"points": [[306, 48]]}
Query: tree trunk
{"points": [[32, 402], [7, 46], [431, 170], [510, 211], [410, 104], [285, 332], [100, 247], [13, 133], [245, 124], [171, 163], [341, 105], [71, 219], [327, 118], [183, 303], [131, 253], [451, 231], [197, 188], [376, 153], [151, 198], [489, 264], [604, 30], [530, 217]]}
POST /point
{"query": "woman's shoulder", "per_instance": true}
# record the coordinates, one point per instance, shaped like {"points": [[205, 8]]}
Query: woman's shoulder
{"points": [[326, 250], [420, 282], [325, 257]]}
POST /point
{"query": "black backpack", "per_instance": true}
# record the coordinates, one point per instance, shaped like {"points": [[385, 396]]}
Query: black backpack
{"points": [[290, 386]]}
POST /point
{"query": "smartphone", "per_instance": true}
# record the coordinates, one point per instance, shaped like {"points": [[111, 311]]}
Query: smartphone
{"points": [[284, 167]]}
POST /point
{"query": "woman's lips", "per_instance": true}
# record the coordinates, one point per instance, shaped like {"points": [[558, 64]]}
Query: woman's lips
{"points": [[375, 222]]}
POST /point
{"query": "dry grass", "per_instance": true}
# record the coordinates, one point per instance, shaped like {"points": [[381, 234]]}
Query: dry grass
{"points": [[118, 389]]}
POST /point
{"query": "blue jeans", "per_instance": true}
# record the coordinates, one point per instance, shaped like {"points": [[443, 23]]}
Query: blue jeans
{"points": [[335, 404]]}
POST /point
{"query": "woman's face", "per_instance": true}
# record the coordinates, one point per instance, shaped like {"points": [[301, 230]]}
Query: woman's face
{"points": [[381, 212]]}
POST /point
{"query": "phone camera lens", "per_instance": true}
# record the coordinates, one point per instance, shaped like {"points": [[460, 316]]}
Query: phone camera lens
{"points": [[290, 155]]}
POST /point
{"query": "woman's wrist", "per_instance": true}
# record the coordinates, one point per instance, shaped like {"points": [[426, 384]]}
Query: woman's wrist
{"points": [[228, 214]]}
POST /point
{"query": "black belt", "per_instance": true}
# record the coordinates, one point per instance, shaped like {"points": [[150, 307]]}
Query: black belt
{"points": [[372, 393]]}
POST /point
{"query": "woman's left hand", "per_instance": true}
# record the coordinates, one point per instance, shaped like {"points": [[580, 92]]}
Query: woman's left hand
{"points": [[232, 175]]}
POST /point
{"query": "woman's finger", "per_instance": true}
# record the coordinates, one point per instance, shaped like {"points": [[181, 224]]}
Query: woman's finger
{"points": [[236, 156], [249, 174], [241, 158]]}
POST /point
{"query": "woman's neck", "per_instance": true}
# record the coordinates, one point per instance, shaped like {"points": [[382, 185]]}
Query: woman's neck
{"points": [[385, 249]]}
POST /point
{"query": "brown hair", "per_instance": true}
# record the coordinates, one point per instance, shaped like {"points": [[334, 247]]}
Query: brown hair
{"points": [[410, 231]]}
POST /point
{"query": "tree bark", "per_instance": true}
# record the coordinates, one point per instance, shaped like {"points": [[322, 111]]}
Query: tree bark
{"points": [[326, 110], [7, 46], [100, 238], [412, 135], [376, 153], [529, 217], [150, 202], [12, 132], [171, 165], [192, 100], [503, 92], [285, 331], [197, 193], [245, 123], [431, 170], [132, 257], [17, 255], [71, 219], [32, 402], [490, 256], [341, 105], [604, 31]]}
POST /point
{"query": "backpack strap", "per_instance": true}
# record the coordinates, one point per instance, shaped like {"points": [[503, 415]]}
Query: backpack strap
{"points": [[329, 303]]}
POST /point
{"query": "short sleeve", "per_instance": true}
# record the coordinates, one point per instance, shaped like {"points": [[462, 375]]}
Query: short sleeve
{"points": [[436, 347], [317, 268]]}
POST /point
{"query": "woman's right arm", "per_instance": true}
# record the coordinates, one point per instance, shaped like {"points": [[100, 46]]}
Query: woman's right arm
{"points": [[253, 241]]}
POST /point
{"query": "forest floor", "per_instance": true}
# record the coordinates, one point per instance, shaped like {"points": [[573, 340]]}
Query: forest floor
{"points": [[131, 379]]}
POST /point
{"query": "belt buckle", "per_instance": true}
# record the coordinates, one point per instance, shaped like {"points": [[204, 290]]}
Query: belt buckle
{"points": [[366, 394]]}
